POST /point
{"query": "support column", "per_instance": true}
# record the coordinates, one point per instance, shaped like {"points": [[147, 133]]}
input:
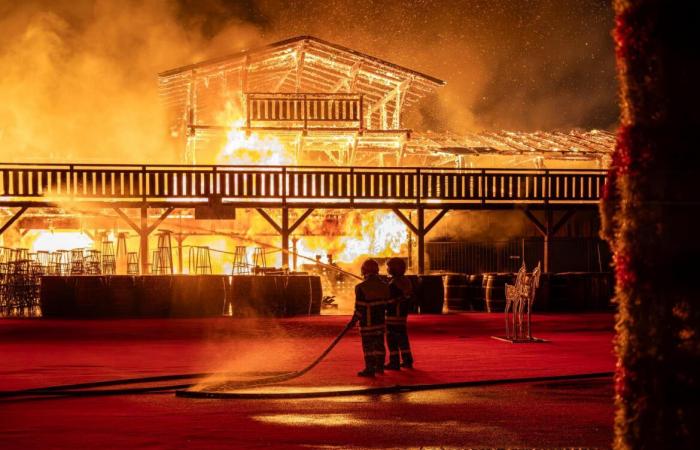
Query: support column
{"points": [[179, 238], [421, 240], [285, 237], [285, 230], [548, 229], [294, 253], [420, 230], [144, 230], [143, 240]]}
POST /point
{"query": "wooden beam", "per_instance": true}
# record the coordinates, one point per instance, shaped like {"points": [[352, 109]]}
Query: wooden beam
{"points": [[562, 221], [13, 219], [299, 66], [435, 220], [349, 81], [162, 217], [129, 222], [270, 220], [300, 220], [541, 228], [382, 103], [405, 220]]}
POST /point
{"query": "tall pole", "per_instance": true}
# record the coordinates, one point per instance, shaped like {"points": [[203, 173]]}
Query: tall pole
{"points": [[547, 235], [421, 240], [143, 235], [285, 237], [294, 253]]}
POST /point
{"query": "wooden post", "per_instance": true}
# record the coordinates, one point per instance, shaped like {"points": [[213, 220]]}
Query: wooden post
{"points": [[285, 237], [294, 253], [548, 229], [180, 238], [547, 235], [420, 230], [143, 235], [421, 240], [13, 219]]}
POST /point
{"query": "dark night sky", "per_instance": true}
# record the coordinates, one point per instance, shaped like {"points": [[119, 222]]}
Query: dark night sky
{"points": [[525, 64]]}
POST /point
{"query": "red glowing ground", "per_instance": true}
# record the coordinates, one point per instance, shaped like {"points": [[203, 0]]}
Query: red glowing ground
{"points": [[448, 348]]}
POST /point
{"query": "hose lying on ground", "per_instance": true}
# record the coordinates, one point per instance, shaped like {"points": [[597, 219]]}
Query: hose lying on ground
{"points": [[382, 390], [183, 390], [87, 389]]}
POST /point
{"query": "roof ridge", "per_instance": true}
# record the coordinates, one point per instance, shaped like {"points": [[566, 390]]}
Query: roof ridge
{"points": [[292, 40]]}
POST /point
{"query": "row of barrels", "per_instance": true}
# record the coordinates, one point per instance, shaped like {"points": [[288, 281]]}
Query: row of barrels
{"points": [[570, 291], [429, 294], [275, 295], [114, 296]]}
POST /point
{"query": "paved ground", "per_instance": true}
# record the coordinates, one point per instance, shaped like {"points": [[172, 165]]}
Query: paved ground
{"points": [[448, 348]]}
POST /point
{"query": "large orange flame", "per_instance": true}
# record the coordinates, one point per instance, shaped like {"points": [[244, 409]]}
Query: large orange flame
{"points": [[244, 147]]}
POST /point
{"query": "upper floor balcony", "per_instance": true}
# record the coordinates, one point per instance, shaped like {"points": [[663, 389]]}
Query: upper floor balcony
{"points": [[274, 111]]}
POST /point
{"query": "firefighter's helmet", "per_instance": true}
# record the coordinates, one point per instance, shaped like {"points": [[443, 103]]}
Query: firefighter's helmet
{"points": [[369, 267], [396, 267]]}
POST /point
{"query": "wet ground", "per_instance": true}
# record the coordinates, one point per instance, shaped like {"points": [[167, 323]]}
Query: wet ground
{"points": [[447, 348]]}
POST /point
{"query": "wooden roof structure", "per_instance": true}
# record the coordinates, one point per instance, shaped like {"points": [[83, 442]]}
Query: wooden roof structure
{"points": [[322, 63], [302, 64]]}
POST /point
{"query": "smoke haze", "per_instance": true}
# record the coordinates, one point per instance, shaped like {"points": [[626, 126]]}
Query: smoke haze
{"points": [[78, 79]]}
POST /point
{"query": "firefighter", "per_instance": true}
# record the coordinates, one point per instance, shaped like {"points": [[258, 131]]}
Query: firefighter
{"points": [[371, 296], [400, 299]]}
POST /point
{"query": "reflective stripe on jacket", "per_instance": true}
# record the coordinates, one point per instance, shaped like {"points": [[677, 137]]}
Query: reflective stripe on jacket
{"points": [[371, 296]]}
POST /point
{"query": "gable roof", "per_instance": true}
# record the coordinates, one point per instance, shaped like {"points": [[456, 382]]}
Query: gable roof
{"points": [[306, 64], [291, 43]]}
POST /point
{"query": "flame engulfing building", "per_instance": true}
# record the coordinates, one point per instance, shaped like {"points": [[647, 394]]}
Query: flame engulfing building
{"points": [[325, 104], [311, 141]]}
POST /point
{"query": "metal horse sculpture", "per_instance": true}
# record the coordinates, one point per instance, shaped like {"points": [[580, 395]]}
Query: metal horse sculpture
{"points": [[519, 299]]}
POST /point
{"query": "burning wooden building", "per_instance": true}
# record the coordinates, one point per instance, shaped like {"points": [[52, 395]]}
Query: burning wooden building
{"points": [[303, 140], [311, 102]]}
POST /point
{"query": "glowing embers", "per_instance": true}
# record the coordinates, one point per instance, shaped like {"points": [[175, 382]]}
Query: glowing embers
{"points": [[244, 148]]}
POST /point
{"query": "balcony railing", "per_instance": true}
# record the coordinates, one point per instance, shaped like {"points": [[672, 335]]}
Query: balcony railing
{"points": [[278, 185], [304, 111]]}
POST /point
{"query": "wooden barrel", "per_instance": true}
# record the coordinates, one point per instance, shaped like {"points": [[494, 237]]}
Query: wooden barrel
{"points": [[581, 291], [303, 295], [184, 300], [431, 294], [257, 296], [456, 288], [495, 290], [154, 295], [275, 295], [91, 294], [57, 296], [121, 298], [474, 294], [212, 291]]}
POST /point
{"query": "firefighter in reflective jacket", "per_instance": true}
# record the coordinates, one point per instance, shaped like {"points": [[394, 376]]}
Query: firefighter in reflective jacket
{"points": [[371, 296], [400, 299]]}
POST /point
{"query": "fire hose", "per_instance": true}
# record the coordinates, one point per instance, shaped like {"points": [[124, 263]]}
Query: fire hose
{"points": [[87, 389], [268, 378]]}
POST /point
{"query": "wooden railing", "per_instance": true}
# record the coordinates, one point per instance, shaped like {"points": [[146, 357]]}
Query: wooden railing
{"points": [[279, 185], [304, 111]]}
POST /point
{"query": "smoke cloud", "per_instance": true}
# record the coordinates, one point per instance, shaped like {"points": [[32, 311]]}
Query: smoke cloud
{"points": [[78, 79]]}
